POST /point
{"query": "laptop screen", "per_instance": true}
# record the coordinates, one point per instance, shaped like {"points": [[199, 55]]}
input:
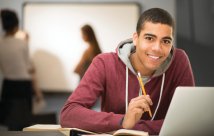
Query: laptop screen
{"points": [[191, 112]]}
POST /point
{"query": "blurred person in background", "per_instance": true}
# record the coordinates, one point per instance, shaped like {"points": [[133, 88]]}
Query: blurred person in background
{"points": [[93, 49], [38, 100], [17, 70]]}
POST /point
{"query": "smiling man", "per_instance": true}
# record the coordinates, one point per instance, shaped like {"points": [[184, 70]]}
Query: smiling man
{"points": [[113, 77]]}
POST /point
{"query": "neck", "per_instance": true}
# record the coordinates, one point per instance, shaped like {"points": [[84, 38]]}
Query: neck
{"points": [[138, 66]]}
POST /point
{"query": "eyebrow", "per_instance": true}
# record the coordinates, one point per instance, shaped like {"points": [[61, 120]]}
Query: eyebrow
{"points": [[152, 35], [167, 37]]}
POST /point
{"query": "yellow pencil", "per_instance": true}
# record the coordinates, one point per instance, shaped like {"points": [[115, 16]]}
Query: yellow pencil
{"points": [[143, 90]]}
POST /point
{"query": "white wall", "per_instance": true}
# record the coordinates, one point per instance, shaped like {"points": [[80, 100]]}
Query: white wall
{"points": [[17, 5], [55, 41]]}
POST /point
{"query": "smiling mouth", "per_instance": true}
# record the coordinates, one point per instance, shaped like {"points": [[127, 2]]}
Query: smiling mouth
{"points": [[154, 57]]}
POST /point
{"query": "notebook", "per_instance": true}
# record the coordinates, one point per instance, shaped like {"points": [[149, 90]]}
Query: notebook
{"points": [[54, 127], [191, 112]]}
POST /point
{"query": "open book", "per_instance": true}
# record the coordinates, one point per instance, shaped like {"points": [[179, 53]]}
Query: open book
{"points": [[128, 132], [51, 127], [122, 132], [77, 131]]}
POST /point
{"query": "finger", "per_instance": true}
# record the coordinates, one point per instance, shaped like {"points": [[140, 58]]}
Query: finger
{"points": [[142, 104], [136, 98], [138, 110], [139, 98], [149, 100], [145, 107], [147, 97], [142, 98]]}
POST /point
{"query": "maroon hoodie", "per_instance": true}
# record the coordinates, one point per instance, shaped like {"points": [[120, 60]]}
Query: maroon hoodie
{"points": [[106, 78]]}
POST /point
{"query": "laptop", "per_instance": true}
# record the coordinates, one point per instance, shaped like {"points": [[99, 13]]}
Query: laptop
{"points": [[191, 112]]}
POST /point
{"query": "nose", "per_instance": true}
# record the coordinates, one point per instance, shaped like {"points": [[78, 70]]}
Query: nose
{"points": [[156, 46]]}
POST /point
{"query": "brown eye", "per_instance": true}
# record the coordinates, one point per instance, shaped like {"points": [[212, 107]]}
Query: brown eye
{"points": [[149, 38], [167, 42]]}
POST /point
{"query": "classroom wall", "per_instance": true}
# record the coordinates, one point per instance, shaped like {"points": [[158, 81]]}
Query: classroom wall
{"points": [[145, 4], [169, 5], [17, 5], [55, 101]]}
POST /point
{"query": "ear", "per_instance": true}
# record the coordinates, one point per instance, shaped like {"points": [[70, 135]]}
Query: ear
{"points": [[135, 38]]}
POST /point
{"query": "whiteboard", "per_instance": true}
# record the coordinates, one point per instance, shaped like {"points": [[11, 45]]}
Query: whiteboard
{"points": [[55, 40]]}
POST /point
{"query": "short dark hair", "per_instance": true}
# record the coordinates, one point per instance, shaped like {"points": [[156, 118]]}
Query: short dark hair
{"points": [[155, 15], [9, 20]]}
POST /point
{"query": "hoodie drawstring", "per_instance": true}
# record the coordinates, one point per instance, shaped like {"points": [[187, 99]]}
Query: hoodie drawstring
{"points": [[159, 100], [162, 84], [127, 82]]}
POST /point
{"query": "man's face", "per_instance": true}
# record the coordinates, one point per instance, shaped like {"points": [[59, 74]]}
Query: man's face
{"points": [[153, 46]]}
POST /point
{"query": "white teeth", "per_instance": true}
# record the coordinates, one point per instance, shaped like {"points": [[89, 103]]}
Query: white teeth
{"points": [[154, 57]]}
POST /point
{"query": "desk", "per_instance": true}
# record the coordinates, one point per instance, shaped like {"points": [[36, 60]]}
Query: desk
{"points": [[31, 133], [34, 133]]}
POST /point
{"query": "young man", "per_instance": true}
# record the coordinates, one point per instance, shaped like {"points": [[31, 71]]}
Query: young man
{"points": [[113, 76]]}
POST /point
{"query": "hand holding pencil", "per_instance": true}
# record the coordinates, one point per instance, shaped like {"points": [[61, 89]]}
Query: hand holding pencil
{"points": [[143, 90], [137, 106]]}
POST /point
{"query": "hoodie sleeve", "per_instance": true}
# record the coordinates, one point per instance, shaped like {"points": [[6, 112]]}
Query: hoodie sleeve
{"points": [[153, 127], [77, 113]]}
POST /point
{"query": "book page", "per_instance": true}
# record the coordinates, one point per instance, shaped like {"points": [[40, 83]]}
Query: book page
{"points": [[42, 127], [76, 130], [130, 132], [122, 132], [51, 127], [103, 134]]}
